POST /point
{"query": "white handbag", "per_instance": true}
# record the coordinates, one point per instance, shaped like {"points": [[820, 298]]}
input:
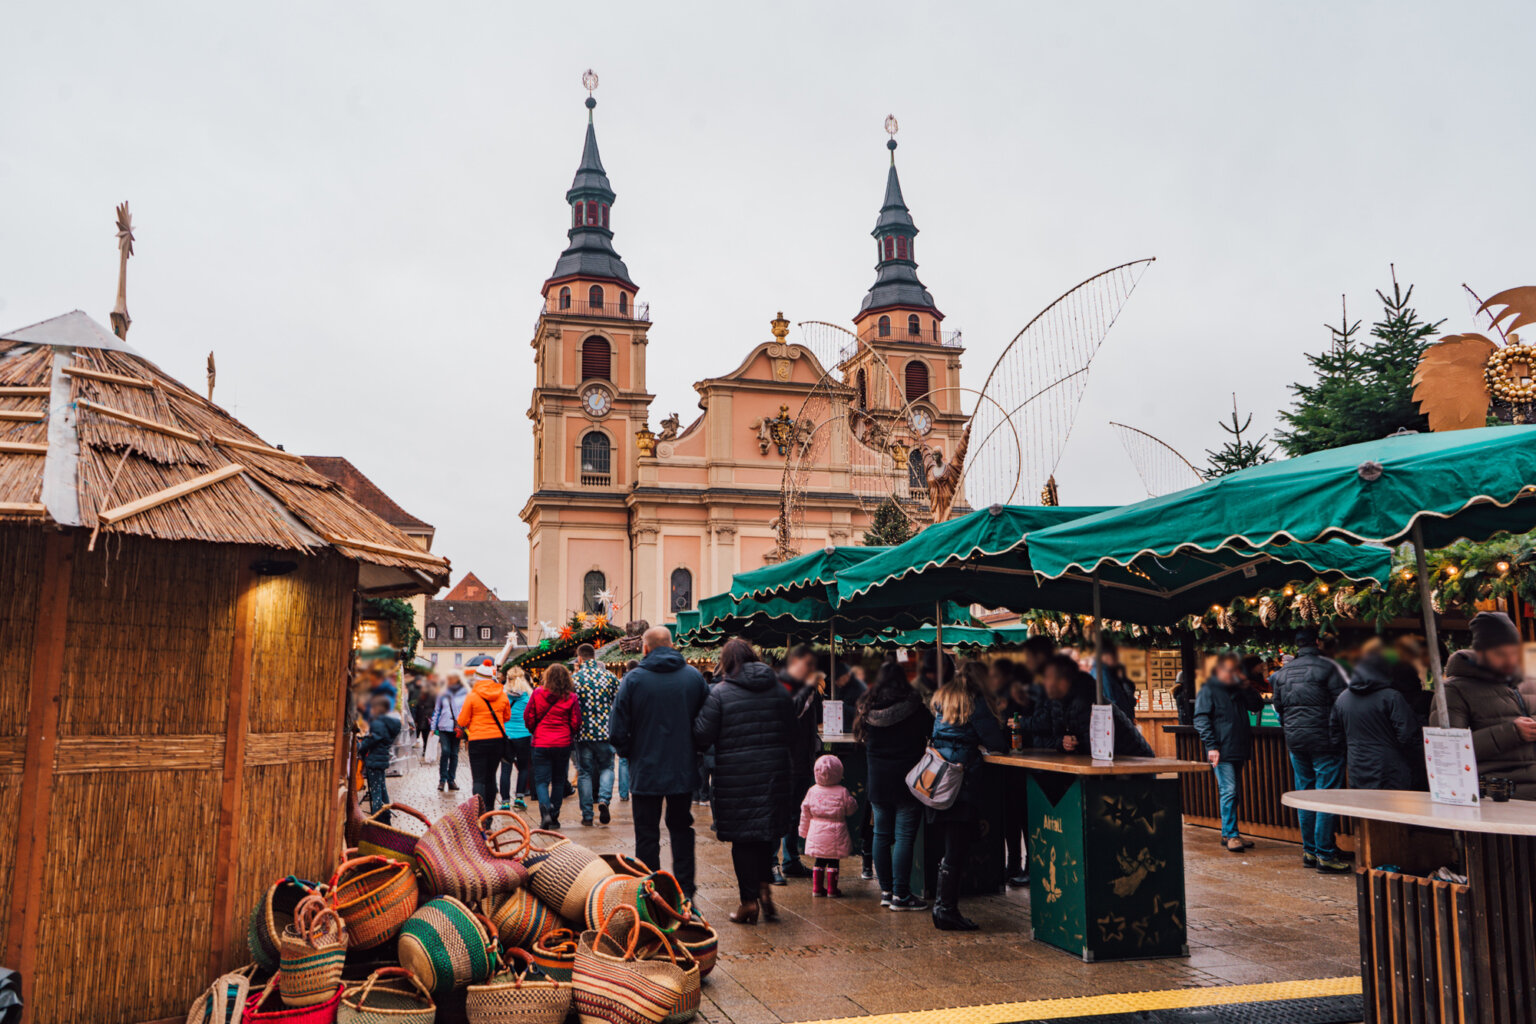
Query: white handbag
{"points": [[935, 780]]}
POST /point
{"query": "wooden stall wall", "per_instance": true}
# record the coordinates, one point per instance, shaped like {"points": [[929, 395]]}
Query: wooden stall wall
{"points": [[21, 554]]}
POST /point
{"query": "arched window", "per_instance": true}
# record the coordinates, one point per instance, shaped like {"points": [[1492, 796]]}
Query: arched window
{"points": [[595, 298], [863, 385], [565, 298], [682, 590], [914, 328], [885, 327], [592, 584], [890, 248], [917, 477], [623, 303], [903, 247], [916, 380], [935, 330], [596, 359], [596, 459]]}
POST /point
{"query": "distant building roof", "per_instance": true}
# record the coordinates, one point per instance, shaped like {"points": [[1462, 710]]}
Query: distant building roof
{"points": [[500, 616], [470, 588], [367, 493]]}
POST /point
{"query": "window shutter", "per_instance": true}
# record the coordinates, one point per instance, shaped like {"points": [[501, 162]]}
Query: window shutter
{"points": [[916, 380], [596, 359]]}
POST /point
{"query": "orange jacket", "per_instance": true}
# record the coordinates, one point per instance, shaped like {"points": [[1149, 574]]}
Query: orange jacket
{"points": [[484, 715]]}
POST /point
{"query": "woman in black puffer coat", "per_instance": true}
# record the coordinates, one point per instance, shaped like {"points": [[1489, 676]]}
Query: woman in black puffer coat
{"points": [[894, 724], [747, 719]]}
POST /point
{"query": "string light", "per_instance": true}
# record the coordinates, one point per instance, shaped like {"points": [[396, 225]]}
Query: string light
{"points": [[1451, 570], [1503, 567], [1289, 591], [1322, 588]]}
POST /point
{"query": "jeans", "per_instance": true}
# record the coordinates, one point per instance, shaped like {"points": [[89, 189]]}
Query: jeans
{"points": [[895, 832], [1228, 777], [484, 758], [753, 861], [1318, 771], [520, 753], [679, 815], [550, 787], [594, 775], [378, 792], [623, 778], [448, 757]]}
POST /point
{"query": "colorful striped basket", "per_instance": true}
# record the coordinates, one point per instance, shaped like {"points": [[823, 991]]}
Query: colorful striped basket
{"points": [[376, 839], [266, 1007], [515, 996], [629, 972], [565, 874], [624, 864], [555, 954], [313, 951], [457, 859], [613, 891], [520, 918], [448, 946], [662, 902], [224, 1002], [375, 896], [273, 913], [390, 995], [701, 941]]}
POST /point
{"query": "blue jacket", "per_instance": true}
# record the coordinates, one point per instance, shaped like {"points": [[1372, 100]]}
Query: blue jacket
{"points": [[652, 723], [445, 717], [516, 728], [963, 742], [375, 746]]}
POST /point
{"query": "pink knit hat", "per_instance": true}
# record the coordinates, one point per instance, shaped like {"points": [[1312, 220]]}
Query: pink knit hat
{"points": [[829, 770]]}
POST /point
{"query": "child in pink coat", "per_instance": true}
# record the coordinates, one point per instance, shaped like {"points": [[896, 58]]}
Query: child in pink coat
{"points": [[824, 824]]}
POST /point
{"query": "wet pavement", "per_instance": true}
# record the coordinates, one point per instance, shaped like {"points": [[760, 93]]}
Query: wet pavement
{"points": [[1255, 917]]}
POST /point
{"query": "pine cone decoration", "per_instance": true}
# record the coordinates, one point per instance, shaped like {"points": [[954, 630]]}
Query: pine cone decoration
{"points": [[1306, 607], [1268, 612], [1343, 602]]}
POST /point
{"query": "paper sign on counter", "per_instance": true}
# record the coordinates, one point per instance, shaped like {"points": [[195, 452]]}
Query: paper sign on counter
{"points": [[831, 717], [1101, 732], [1452, 766]]}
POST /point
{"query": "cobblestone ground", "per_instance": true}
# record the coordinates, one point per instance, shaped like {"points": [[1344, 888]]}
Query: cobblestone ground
{"points": [[1252, 918]]}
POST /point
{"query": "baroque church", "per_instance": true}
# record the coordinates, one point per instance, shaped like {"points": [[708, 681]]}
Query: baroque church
{"points": [[653, 522]]}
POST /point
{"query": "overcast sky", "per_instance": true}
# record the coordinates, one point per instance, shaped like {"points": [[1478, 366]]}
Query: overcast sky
{"points": [[354, 204]]}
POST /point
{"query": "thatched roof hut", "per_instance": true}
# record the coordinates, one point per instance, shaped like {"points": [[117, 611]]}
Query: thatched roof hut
{"points": [[174, 650]]}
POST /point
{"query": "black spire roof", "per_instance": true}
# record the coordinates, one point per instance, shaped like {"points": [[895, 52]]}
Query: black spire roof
{"points": [[590, 253], [896, 282]]}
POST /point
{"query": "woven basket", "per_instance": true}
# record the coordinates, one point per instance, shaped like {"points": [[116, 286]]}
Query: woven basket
{"points": [[273, 913], [224, 1002], [701, 941], [662, 902], [630, 972], [266, 1007], [613, 891], [313, 951], [457, 859], [448, 946], [520, 918], [624, 864], [555, 954], [376, 839], [391, 995], [519, 996], [566, 874], [375, 896]]}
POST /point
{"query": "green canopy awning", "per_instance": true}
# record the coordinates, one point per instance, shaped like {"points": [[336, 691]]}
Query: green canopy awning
{"points": [[799, 577], [979, 637], [777, 621]]}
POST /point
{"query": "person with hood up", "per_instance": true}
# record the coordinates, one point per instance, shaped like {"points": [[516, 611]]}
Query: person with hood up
{"points": [[652, 725], [799, 679], [893, 724], [1486, 691], [483, 719], [1376, 729], [824, 824], [445, 722], [747, 719], [1221, 719], [553, 717], [376, 740], [1305, 689]]}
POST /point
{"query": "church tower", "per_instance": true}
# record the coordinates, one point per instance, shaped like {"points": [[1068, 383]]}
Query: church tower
{"points": [[900, 324], [589, 399]]}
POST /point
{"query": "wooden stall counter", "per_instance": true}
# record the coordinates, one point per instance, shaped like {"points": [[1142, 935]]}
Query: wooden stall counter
{"points": [[1266, 777], [1106, 852], [1432, 948]]}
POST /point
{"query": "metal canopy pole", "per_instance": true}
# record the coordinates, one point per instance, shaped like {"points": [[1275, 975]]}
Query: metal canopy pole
{"points": [[1098, 642], [938, 642], [832, 646], [1427, 606]]}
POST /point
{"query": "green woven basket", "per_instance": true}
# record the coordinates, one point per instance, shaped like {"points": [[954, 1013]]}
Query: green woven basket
{"points": [[448, 946]]}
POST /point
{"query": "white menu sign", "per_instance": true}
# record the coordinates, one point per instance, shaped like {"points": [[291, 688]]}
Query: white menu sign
{"points": [[1452, 766], [1101, 732], [831, 717]]}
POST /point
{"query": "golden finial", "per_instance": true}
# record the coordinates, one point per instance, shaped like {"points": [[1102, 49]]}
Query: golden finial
{"points": [[120, 318], [780, 327]]}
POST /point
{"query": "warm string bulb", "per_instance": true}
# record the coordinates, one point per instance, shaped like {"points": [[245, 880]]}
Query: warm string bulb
{"points": [[1503, 567]]}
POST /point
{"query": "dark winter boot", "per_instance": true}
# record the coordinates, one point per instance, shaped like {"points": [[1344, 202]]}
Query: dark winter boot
{"points": [[946, 908], [832, 889], [765, 901], [818, 881]]}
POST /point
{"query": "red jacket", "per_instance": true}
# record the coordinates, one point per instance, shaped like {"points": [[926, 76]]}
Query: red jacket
{"points": [[554, 723]]}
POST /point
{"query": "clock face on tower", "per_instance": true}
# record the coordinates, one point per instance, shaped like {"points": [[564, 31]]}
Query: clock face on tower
{"points": [[596, 402], [922, 422]]}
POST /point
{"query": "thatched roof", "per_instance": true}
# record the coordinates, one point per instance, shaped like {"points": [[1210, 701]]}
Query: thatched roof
{"points": [[94, 435]]}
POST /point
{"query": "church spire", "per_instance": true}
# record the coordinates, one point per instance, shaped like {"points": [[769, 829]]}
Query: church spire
{"points": [[590, 253], [896, 281]]}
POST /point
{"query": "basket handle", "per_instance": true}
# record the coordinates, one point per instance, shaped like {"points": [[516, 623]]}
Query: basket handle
{"points": [[372, 861], [561, 840], [492, 938], [648, 888], [519, 825], [413, 812], [558, 941], [666, 943], [517, 957], [394, 972], [309, 921]]}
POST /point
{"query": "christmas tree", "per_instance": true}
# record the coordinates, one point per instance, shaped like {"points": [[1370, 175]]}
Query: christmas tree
{"points": [[1237, 453], [889, 526]]}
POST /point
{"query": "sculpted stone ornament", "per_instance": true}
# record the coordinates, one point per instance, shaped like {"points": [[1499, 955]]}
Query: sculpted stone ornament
{"points": [[669, 428], [781, 432]]}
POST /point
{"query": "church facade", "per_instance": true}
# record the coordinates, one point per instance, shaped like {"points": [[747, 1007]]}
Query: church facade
{"points": [[642, 524]]}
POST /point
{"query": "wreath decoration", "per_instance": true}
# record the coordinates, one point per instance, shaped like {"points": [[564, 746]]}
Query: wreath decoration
{"points": [[1500, 385]]}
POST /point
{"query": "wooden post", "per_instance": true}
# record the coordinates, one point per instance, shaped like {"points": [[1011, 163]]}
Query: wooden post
{"points": [[237, 720], [339, 773], [49, 633]]}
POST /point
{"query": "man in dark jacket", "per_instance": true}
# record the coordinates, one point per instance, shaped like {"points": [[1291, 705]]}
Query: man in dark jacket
{"points": [[1118, 688], [804, 748], [375, 745], [1483, 693], [1073, 693], [1376, 728], [652, 725], [1305, 689], [1221, 719]]}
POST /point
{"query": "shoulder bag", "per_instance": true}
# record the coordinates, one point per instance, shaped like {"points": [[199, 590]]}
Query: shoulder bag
{"points": [[935, 780]]}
